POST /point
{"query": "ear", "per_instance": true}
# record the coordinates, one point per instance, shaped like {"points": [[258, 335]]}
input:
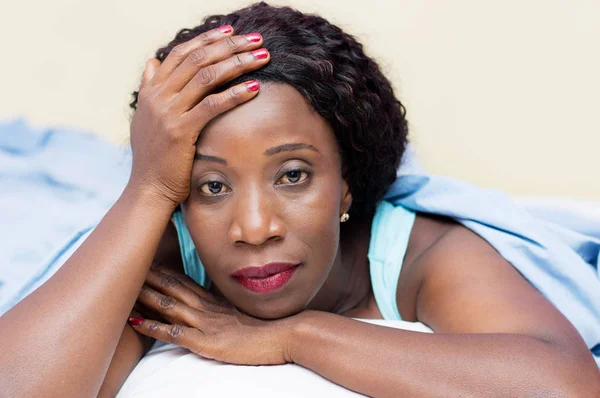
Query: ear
{"points": [[346, 199]]}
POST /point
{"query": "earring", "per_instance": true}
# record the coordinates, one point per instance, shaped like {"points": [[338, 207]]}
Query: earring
{"points": [[345, 217]]}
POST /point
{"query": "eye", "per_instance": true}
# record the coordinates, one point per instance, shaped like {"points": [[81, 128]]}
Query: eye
{"points": [[213, 188], [293, 177]]}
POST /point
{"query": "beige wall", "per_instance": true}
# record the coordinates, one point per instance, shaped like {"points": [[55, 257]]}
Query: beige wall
{"points": [[501, 93]]}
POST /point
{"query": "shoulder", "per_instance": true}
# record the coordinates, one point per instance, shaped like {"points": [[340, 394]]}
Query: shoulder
{"points": [[462, 274], [426, 232], [443, 256], [463, 285]]}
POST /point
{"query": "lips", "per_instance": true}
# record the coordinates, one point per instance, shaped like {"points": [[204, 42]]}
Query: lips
{"points": [[263, 271], [265, 279]]}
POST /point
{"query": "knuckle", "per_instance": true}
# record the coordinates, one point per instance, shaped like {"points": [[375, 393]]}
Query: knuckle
{"points": [[212, 104], [168, 281], [175, 331], [179, 50], [143, 93], [171, 124], [168, 123], [170, 130], [172, 136], [235, 94], [153, 326], [238, 61], [206, 76], [167, 302], [201, 302], [231, 44], [146, 97], [144, 292], [208, 306], [198, 57], [167, 119], [204, 38]]}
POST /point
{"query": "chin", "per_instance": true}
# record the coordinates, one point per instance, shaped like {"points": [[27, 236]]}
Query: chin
{"points": [[271, 311]]}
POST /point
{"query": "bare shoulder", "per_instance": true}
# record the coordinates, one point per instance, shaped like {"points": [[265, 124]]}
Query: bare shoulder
{"points": [[426, 231], [463, 285]]}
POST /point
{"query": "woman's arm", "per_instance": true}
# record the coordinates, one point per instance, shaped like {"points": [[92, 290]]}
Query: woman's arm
{"points": [[131, 348], [385, 362], [496, 336], [50, 342]]}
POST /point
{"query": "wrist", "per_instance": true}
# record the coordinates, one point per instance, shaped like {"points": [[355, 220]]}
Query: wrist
{"points": [[302, 328], [149, 197]]}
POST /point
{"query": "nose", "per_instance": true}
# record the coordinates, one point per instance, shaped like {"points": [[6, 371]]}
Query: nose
{"points": [[256, 219]]}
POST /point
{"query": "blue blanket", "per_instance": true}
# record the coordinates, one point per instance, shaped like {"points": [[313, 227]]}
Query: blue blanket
{"points": [[57, 184], [53, 183]]}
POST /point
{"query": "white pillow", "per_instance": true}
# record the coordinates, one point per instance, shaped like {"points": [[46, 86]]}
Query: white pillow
{"points": [[170, 371]]}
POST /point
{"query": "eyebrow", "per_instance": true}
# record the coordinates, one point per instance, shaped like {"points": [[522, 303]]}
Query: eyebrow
{"points": [[289, 147], [269, 152], [216, 159]]}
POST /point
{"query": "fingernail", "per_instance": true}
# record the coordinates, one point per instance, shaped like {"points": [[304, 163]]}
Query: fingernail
{"points": [[253, 85], [253, 37], [134, 321], [225, 29], [261, 53]]}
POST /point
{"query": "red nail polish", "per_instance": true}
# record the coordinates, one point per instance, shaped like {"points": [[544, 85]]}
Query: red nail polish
{"points": [[253, 37], [253, 85], [261, 53], [134, 321], [225, 29]]}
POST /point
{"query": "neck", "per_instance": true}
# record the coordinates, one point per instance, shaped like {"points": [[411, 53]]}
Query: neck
{"points": [[348, 286]]}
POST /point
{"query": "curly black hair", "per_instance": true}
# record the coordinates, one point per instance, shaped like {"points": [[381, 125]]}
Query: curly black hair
{"points": [[346, 87]]}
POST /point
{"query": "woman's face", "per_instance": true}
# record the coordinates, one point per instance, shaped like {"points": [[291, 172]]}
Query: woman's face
{"points": [[267, 188]]}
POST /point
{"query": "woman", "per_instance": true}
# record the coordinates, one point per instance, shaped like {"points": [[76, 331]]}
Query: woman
{"points": [[263, 142]]}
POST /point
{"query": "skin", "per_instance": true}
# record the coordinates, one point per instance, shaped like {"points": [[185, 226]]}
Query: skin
{"points": [[451, 279]]}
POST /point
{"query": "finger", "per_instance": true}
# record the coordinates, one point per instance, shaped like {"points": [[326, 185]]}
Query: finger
{"points": [[150, 70], [169, 307], [189, 283], [171, 285], [205, 56], [215, 75], [180, 52], [201, 298], [216, 104], [141, 310], [175, 334], [135, 315]]}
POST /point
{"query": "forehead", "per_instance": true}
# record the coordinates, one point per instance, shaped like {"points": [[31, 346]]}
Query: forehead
{"points": [[279, 114]]}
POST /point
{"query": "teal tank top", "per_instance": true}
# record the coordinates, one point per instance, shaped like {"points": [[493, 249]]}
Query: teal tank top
{"points": [[390, 232]]}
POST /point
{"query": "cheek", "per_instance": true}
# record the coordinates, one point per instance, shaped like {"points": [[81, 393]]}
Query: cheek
{"points": [[314, 219], [208, 228]]}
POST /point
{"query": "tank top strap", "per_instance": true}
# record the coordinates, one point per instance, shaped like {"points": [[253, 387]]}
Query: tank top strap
{"points": [[192, 265], [390, 233]]}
